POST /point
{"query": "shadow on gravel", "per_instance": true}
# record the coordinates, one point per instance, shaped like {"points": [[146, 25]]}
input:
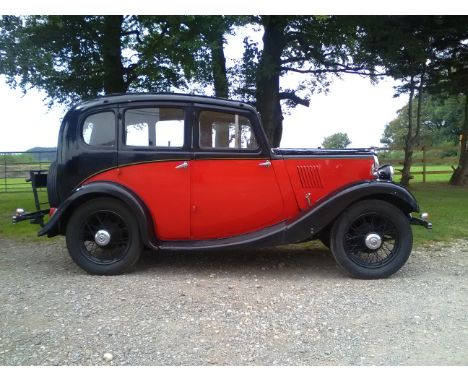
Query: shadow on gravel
{"points": [[276, 261]]}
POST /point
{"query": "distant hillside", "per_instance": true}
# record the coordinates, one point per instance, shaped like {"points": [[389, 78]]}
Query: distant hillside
{"points": [[44, 154]]}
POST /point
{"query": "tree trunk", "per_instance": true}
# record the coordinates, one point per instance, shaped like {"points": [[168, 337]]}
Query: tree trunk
{"points": [[113, 70], [460, 175], [218, 67], [406, 176], [268, 75]]}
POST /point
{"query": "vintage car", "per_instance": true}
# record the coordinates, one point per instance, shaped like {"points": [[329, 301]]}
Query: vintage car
{"points": [[182, 173]]}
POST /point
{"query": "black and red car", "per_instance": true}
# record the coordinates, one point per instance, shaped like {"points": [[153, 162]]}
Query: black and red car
{"points": [[182, 172]]}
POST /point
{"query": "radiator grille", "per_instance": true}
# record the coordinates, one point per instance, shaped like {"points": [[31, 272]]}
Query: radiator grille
{"points": [[309, 176]]}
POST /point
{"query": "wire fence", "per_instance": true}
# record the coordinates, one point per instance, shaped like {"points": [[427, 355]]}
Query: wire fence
{"points": [[15, 167]]}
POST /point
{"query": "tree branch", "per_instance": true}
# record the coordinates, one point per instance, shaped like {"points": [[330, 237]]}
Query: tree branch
{"points": [[291, 96], [135, 32], [350, 70]]}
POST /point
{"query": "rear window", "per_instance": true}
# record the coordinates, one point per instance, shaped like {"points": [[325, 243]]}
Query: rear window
{"points": [[99, 129]]}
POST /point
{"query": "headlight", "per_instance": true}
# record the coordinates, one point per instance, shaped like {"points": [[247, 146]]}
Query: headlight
{"points": [[386, 172]]}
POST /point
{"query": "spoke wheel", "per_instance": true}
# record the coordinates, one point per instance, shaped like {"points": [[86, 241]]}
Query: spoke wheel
{"points": [[117, 230], [361, 231], [103, 237], [371, 239]]}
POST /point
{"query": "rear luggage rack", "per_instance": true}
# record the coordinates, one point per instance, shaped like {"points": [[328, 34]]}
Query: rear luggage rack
{"points": [[38, 179]]}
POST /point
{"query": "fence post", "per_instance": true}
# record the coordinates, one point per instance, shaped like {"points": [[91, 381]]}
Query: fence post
{"points": [[424, 163], [5, 173]]}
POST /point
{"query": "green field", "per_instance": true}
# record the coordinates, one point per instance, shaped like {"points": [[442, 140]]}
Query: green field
{"points": [[15, 185], [8, 204], [446, 205]]}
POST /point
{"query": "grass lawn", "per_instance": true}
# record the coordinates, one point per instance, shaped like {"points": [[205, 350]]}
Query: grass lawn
{"points": [[448, 211], [8, 204], [447, 207]]}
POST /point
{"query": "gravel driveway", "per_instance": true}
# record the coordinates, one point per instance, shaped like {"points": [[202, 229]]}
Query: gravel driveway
{"points": [[286, 306]]}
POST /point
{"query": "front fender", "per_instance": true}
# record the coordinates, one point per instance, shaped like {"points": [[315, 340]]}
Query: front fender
{"points": [[57, 224], [331, 206]]}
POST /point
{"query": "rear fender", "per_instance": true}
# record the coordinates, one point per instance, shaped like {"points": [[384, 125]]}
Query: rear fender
{"points": [[57, 224]]}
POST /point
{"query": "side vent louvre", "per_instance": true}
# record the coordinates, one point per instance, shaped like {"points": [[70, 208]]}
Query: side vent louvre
{"points": [[309, 176]]}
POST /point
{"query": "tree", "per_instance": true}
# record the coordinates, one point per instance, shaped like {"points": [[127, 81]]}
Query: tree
{"points": [[211, 68], [310, 46], [76, 57], [449, 75], [403, 46], [440, 121], [411, 48], [336, 141]]}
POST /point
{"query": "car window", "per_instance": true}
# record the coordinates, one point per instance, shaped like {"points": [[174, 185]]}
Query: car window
{"points": [[154, 127], [99, 129], [225, 131]]}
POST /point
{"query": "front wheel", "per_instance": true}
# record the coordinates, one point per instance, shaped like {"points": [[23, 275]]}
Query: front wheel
{"points": [[372, 239], [103, 237]]}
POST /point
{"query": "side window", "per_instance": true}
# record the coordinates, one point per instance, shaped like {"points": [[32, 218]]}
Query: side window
{"points": [[99, 129], [154, 127], [226, 131]]}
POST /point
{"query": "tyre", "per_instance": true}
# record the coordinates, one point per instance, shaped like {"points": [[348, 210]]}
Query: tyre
{"points": [[52, 192], [103, 237], [371, 239]]}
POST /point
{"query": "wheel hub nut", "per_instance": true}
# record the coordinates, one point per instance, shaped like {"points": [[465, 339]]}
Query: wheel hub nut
{"points": [[373, 241], [102, 237]]}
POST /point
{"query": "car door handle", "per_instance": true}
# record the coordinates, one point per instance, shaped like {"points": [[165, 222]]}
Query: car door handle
{"points": [[265, 164], [182, 165]]}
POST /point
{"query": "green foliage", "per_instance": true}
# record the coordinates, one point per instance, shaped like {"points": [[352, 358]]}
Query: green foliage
{"points": [[76, 57], [336, 141], [441, 122]]}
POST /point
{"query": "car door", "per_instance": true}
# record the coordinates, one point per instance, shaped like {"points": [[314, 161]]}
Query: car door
{"points": [[154, 156], [233, 185]]}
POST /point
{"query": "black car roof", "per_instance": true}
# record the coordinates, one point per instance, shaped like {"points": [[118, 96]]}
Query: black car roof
{"points": [[171, 97]]}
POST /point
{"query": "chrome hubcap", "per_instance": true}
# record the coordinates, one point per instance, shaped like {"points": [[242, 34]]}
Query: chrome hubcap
{"points": [[373, 241], [102, 237]]}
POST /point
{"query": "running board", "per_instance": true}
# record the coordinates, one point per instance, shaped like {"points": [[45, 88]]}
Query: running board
{"points": [[271, 236]]}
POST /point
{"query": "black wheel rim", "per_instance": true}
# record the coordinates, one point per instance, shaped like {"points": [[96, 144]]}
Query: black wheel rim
{"points": [[355, 236], [119, 242]]}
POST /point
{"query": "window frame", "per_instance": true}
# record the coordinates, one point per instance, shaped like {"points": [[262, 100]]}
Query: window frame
{"points": [[154, 149], [83, 119], [223, 150]]}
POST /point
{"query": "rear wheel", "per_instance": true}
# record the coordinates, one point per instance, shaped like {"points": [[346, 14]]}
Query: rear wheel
{"points": [[103, 237], [372, 239]]}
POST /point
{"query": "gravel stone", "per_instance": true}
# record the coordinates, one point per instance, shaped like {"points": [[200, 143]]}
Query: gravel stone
{"points": [[107, 357], [281, 306]]}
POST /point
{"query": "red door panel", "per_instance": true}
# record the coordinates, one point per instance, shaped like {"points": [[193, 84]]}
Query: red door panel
{"points": [[164, 189], [231, 197]]}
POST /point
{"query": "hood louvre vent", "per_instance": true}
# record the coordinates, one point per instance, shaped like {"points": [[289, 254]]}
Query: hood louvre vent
{"points": [[309, 176]]}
